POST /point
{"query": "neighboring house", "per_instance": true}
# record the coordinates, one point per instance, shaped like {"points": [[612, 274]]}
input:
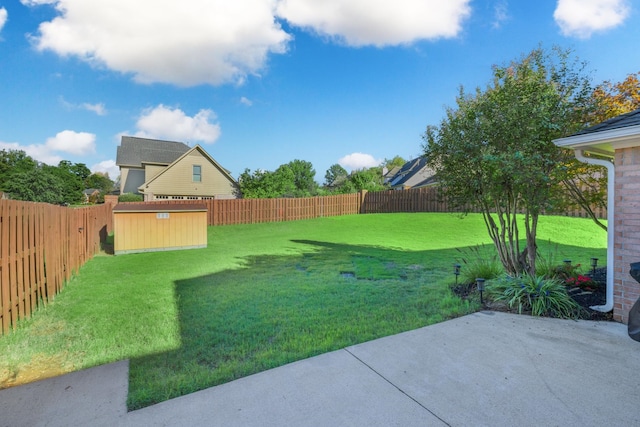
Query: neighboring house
{"points": [[413, 174], [388, 175], [167, 170], [615, 144]]}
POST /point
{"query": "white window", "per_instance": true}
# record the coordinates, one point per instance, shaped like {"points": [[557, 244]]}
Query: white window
{"points": [[197, 173]]}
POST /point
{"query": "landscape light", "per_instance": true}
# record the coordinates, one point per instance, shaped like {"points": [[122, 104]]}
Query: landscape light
{"points": [[567, 262], [594, 264], [456, 271], [480, 285]]}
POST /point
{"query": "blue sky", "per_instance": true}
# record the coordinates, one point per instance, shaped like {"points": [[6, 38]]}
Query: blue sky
{"points": [[259, 83]]}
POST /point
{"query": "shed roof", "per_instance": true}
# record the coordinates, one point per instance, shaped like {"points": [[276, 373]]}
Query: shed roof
{"points": [[160, 207], [134, 151]]}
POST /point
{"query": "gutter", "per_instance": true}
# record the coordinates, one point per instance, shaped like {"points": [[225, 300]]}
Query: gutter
{"points": [[608, 305]]}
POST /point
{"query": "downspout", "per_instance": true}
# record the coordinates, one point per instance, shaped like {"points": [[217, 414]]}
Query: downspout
{"points": [[608, 304]]}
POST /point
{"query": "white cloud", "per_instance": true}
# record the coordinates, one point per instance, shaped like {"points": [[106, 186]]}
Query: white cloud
{"points": [[37, 151], [174, 124], [3, 17], [378, 22], [96, 108], [355, 161], [582, 18], [500, 14], [189, 42], [68, 141], [246, 101], [108, 166]]}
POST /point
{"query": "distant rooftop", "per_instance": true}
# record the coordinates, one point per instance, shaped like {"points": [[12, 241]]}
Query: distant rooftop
{"points": [[134, 151]]}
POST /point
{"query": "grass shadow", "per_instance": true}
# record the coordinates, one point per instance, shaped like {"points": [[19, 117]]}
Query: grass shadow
{"points": [[279, 309]]}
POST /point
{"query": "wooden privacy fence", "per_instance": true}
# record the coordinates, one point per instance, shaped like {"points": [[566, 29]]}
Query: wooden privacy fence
{"points": [[249, 211], [429, 199], [41, 246]]}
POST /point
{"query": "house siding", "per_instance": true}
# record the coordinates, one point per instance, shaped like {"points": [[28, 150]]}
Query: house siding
{"points": [[151, 171], [131, 179], [178, 180], [626, 290]]}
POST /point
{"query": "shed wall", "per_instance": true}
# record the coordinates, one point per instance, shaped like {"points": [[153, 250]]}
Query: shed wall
{"points": [[145, 232]]}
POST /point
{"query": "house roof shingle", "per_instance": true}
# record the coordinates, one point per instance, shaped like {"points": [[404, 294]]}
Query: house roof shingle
{"points": [[413, 172], [622, 121], [133, 151]]}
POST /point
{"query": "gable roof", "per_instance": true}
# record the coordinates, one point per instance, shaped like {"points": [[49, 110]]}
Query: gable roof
{"points": [[134, 151], [413, 172], [176, 161], [391, 173]]}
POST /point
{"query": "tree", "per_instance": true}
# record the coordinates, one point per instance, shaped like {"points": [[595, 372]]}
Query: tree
{"points": [[293, 179], [303, 173], [37, 185], [393, 162], [494, 152], [614, 99], [80, 170], [100, 181], [367, 179], [334, 175], [265, 184], [13, 162], [70, 184]]}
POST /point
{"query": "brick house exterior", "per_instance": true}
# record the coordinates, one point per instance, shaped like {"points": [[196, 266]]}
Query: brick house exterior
{"points": [[626, 290], [615, 144]]}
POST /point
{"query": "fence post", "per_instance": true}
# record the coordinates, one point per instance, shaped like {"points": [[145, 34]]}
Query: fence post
{"points": [[363, 194]]}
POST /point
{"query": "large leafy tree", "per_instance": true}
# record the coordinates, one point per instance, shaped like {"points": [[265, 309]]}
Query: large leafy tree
{"points": [[303, 173], [293, 179], [494, 151], [25, 179], [614, 99], [37, 185], [335, 175], [12, 162], [100, 181]]}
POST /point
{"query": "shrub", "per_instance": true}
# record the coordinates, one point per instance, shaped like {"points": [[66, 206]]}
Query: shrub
{"points": [[476, 262], [546, 265], [129, 197], [537, 294]]}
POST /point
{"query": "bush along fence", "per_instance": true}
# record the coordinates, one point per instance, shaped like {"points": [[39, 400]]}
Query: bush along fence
{"points": [[41, 246]]}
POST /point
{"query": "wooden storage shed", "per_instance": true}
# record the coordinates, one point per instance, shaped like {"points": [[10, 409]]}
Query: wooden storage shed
{"points": [[142, 227]]}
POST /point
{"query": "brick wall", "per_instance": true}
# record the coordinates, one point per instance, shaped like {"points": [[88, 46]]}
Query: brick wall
{"points": [[627, 230]]}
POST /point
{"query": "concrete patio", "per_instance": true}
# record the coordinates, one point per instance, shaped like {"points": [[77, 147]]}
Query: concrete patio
{"points": [[487, 368]]}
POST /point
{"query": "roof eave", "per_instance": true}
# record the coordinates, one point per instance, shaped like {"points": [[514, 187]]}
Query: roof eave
{"points": [[602, 143]]}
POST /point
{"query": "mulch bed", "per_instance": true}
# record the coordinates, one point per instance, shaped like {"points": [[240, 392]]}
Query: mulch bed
{"points": [[584, 297]]}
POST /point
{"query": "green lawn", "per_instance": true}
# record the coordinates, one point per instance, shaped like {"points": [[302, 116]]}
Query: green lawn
{"points": [[261, 296]]}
